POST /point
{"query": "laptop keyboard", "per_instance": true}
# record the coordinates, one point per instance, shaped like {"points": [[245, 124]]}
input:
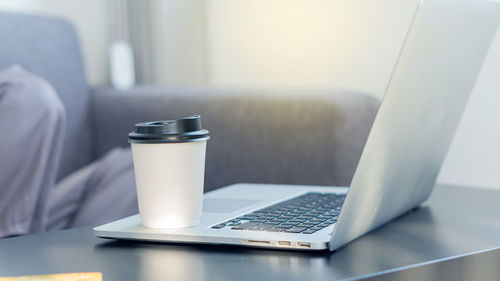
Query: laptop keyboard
{"points": [[304, 214]]}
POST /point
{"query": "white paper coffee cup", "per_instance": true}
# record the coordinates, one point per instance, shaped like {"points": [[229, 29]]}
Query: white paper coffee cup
{"points": [[169, 165]]}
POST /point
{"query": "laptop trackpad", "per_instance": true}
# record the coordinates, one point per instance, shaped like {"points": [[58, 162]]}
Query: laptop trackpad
{"points": [[219, 205]]}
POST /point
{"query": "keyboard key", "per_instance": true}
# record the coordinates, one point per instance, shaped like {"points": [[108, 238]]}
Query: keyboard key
{"points": [[219, 226], [268, 215], [307, 216], [297, 220], [246, 225], [264, 226], [247, 217], [316, 228], [278, 220], [295, 229], [326, 217], [309, 231], [286, 225], [306, 224], [259, 220], [275, 229]]}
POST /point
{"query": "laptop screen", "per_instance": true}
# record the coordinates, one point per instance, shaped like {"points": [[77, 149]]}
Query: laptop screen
{"points": [[424, 101]]}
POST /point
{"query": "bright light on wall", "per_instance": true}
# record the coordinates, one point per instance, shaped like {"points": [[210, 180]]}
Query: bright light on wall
{"points": [[315, 43]]}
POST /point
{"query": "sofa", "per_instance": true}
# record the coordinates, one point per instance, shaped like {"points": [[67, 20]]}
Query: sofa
{"points": [[284, 136]]}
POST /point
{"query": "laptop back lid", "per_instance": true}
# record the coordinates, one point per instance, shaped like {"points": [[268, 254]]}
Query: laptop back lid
{"points": [[423, 103]]}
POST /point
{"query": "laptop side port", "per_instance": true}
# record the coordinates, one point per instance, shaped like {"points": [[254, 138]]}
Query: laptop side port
{"points": [[304, 245], [257, 242], [284, 243]]}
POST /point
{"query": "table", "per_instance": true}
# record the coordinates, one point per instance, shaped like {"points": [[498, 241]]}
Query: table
{"points": [[453, 222], [482, 266]]}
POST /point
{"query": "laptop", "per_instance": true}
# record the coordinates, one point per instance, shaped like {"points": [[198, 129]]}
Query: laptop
{"points": [[428, 90]]}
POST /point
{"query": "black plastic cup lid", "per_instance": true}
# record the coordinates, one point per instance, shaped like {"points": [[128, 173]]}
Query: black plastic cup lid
{"points": [[187, 129]]}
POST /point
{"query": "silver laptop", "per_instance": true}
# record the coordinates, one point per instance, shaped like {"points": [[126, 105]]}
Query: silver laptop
{"points": [[426, 96]]}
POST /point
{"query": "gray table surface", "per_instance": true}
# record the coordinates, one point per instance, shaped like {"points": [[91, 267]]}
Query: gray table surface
{"points": [[453, 222]]}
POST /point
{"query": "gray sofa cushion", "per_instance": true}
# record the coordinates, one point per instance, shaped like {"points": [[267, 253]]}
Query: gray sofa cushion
{"points": [[49, 48]]}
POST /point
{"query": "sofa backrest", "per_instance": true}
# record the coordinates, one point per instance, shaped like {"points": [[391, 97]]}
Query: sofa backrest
{"points": [[49, 48], [286, 136]]}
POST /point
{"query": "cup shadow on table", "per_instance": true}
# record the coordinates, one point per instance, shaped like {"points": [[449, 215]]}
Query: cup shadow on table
{"points": [[154, 261]]}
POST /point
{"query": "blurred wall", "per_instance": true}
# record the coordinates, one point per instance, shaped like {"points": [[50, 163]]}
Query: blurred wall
{"points": [[474, 156], [311, 44]]}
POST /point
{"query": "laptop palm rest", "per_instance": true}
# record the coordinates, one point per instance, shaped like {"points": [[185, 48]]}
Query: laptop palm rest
{"points": [[226, 205]]}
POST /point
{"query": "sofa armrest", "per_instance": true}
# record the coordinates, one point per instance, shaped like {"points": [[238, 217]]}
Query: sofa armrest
{"points": [[261, 136]]}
